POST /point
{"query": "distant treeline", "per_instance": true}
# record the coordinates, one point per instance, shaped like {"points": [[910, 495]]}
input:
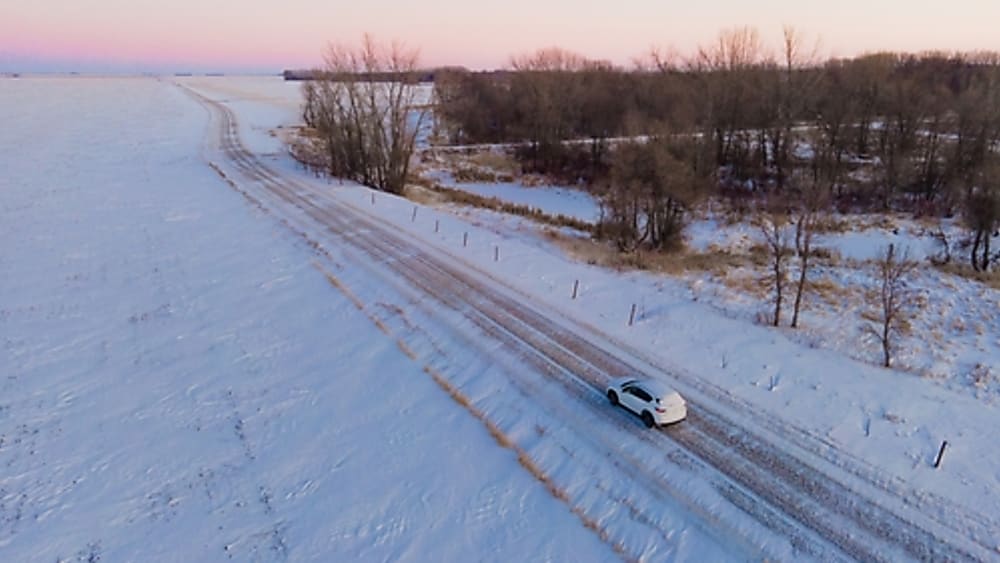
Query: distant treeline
{"points": [[425, 76], [924, 122], [882, 131]]}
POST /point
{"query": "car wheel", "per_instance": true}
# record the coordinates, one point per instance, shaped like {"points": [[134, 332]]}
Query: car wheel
{"points": [[613, 397], [647, 419]]}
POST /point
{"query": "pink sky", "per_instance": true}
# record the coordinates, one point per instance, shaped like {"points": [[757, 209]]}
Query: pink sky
{"points": [[271, 35]]}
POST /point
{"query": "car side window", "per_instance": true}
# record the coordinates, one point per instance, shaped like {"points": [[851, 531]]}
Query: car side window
{"points": [[642, 394]]}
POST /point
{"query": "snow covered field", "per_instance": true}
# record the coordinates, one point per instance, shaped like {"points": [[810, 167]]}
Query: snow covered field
{"points": [[182, 373], [272, 101], [954, 334], [893, 420], [180, 383]]}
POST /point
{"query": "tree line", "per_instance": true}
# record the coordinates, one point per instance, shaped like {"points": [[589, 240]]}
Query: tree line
{"points": [[773, 128], [879, 131]]}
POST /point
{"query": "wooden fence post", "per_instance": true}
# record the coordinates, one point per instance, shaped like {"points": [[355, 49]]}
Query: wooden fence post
{"points": [[937, 462]]}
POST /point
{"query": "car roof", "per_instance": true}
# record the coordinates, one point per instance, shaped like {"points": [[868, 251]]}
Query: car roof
{"points": [[654, 386]]}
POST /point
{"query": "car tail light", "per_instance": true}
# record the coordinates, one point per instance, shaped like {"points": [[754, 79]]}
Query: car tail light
{"points": [[661, 410]]}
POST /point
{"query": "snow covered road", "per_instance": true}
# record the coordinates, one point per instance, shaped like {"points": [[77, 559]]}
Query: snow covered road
{"points": [[804, 496]]}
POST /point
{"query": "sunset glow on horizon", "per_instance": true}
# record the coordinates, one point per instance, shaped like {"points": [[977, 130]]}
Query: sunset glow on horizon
{"points": [[259, 36]]}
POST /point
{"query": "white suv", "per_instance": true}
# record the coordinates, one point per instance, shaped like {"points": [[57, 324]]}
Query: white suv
{"points": [[653, 401]]}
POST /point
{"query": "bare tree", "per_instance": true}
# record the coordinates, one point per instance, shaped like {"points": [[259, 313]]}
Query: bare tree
{"points": [[805, 228], [545, 87], [813, 198], [786, 94], [728, 78], [364, 106], [774, 228], [650, 189], [982, 212], [832, 111], [895, 299]]}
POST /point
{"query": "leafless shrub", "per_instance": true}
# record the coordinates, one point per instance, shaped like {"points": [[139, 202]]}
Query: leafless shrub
{"points": [[474, 174], [981, 376], [894, 299], [943, 257]]}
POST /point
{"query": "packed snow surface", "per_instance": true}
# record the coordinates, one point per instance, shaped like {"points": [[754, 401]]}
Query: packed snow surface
{"points": [[181, 383]]}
